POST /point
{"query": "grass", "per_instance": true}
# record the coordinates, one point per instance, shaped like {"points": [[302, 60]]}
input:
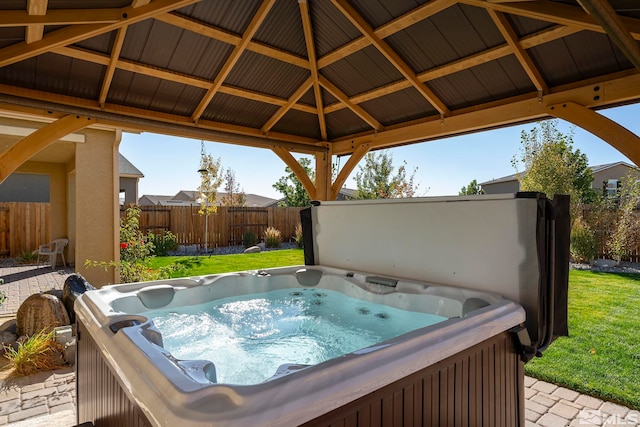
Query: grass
{"points": [[601, 356], [203, 265]]}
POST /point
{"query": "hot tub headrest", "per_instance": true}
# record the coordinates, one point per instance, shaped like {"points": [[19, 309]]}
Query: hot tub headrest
{"points": [[308, 277], [156, 296]]}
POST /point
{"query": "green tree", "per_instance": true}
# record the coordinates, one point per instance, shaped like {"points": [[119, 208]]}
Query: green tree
{"points": [[376, 179], [552, 166], [233, 195], [471, 189], [291, 187]]}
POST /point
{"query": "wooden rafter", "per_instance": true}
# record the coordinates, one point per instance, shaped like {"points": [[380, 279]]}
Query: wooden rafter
{"points": [[111, 68], [286, 107], [342, 97], [76, 33], [311, 53], [233, 133], [537, 39], [232, 39], [138, 3], [609, 20], [525, 60], [352, 15], [12, 18], [139, 68], [416, 15], [618, 89], [555, 12], [34, 32], [233, 58]]}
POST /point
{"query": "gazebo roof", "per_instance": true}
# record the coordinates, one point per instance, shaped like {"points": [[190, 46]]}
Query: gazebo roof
{"points": [[315, 75]]}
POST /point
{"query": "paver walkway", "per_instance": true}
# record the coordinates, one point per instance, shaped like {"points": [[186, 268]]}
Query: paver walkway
{"points": [[47, 399]]}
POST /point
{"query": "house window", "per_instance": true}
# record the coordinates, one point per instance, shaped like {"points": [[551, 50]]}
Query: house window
{"points": [[612, 187]]}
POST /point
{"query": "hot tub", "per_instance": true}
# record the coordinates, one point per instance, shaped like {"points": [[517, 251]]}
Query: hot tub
{"points": [[466, 368]]}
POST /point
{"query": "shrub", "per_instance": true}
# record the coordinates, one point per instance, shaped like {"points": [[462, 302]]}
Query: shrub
{"points": [[583, 242], [272, 237], [162, 243], [249, 238], [3, 298], [41, 352], [136, 249], [298, 236]]}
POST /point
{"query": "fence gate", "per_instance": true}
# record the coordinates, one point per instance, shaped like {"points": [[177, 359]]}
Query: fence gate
{"points": [[244, 219], [4, 232]]}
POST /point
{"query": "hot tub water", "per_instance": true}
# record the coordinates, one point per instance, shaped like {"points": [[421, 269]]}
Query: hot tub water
{"points": [[249, 337]]}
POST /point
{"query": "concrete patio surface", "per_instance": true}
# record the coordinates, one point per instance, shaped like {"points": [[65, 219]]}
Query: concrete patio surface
{"points": [[48, 398]]}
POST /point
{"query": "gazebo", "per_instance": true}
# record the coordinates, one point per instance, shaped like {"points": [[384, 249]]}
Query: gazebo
{"points": [[321, 77]]}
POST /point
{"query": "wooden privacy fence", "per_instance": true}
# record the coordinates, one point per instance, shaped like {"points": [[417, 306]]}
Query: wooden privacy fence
{"points": [[23, 227], [225, 227]]}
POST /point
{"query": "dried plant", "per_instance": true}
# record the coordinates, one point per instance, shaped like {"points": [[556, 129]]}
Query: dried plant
{"points": [[40, 352], [272, 237]]}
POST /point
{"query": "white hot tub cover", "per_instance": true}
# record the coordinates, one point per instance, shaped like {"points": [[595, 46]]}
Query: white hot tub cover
{"points": [[515, 245]]}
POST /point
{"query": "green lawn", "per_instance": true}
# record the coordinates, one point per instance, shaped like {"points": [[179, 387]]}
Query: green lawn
{"points": [[204, 265], [601, 356]]}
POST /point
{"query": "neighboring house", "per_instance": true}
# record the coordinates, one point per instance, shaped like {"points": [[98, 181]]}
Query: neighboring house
{"points": [[129, 178], [35, 187], [190, 198], [606, 178], [343, 194]]}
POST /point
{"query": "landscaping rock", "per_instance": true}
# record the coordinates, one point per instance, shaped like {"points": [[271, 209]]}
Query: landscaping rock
{"points": [[74, 286], [40, 311], [252, 250], [604, 263], [7, 337]]}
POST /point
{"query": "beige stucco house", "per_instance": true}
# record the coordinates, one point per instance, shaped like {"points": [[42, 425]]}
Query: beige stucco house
{"points": [[606, 178]]}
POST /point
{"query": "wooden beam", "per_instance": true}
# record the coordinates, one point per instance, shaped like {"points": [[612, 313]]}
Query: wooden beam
{"points": [[297, 170], [604, 128], [140, 119], [497, 52], [596, 93], [72, 34], [609, 20], [348, 167], [23, 150], [233, 58], [555, 12], [34, 32], [210, 31], [138, 3], [15, 18], [313, 66], [111, 68], [147, 70], [290, 103], [342, 97], [352, 15], [521, 54], [416, 15]]}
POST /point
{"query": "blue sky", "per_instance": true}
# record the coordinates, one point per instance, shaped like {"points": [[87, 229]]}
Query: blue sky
{"points": [[170, 164]]}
